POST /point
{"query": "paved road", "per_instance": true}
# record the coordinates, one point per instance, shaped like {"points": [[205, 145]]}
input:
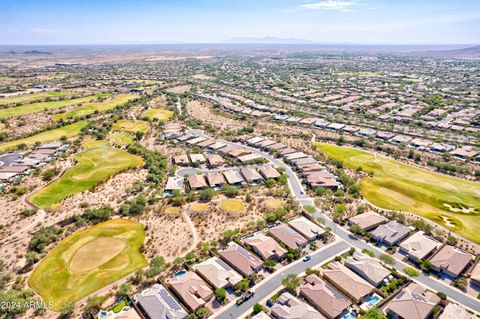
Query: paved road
{"points": [[298, 192], [267, 287]]}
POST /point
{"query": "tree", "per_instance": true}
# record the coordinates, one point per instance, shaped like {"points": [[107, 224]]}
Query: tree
{"points": [[95, 303], [230, 191], [124, 289], [257, 308], [221, 295], [387, 259], [426, 265], [206, 194], [67, 309], [269, 264], [412, 272], [201, 312], [291, 282], [373, 313], [243, 284]]}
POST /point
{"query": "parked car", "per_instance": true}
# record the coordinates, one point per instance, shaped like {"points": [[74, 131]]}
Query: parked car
{"points": [[307, 258]]}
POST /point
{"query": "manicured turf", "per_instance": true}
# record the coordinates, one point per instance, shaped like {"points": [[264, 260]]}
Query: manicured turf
{"points": [[198, 207], [93, 107], [93, 167], [47, 136], [450, 202], [131, 126], [41, 106], [120, 139], [232, 205], [273, 203], [162, 115], [24, 98], [89, 260], [172, 210], [90, 143]]}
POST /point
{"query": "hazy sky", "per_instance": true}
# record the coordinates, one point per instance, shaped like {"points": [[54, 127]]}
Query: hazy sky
{"points": [[352, 21]]}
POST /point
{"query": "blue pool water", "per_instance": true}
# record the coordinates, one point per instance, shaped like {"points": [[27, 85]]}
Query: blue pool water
{"points": [[372, 301], [349, 316], [180, 273]]}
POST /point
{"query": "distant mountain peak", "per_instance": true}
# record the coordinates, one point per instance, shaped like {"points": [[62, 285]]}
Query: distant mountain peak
{"points": [[268, 40]]}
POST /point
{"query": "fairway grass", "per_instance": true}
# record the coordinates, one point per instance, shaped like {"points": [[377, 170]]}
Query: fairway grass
{"points": [[448, 201], [89, 260], [26, 109], [47, 136], [120, 138], [131, 126], [25, 98], [161, 115], [90, 143], [93, 167], [232, 205], [94, 107]]}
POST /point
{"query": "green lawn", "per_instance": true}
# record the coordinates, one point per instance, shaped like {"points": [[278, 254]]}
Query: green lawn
{"points": [[450, 202], [25, 98], [26, 109], [89, 260], [162, 115], [96, 107], [47, 136], [131, 126], [93, 167], [120, 138]]}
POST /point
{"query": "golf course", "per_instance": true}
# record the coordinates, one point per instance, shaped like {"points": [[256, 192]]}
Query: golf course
{"points": [[120, 138], [92, 167], [26, 109], [89, 260], [26, 98], [96, 107], [161, 115], [131, 126], [47, 136], [448, 201]]}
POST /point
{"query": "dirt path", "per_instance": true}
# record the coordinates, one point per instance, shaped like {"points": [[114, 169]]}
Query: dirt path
{"points": [[193, 229]]}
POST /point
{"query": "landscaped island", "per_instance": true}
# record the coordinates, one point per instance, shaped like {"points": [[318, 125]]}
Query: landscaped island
{"points": [[450, 202], [93, 166], [89, 260]]}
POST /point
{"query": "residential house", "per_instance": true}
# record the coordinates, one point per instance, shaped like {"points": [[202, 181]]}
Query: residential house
{"points": [[174, 183], [451, 261], [307, 228], [197, 158], [217, 273], [241, 259], [157, 302], [455, 311], [288, 236], [196, 182], [215, 180], [269, 172], [215, 160], [251, 175], [367, 267], [191, 289], [266, 247], [233, 177], [324, 297], [347, 281], [290, 307], [181, 160], [412, 302], [419, 246], [368, 220], [390, 233]]}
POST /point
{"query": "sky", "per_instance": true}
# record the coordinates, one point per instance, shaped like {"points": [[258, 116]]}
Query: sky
{"points": [[214, 21]]}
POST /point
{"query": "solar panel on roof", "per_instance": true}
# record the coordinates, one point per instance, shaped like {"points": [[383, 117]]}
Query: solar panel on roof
{"points": [[169, 300]]}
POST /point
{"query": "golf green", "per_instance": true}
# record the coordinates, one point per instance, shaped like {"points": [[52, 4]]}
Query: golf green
{"points": [[89, 260], [93, 167], [448, 201], [131, 126]]}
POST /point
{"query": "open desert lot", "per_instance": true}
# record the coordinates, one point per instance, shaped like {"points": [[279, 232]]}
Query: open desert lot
{"points": [[42, 106], [96, 107], [93, 166], [450, 202], [47, 136], [89, 260]]}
